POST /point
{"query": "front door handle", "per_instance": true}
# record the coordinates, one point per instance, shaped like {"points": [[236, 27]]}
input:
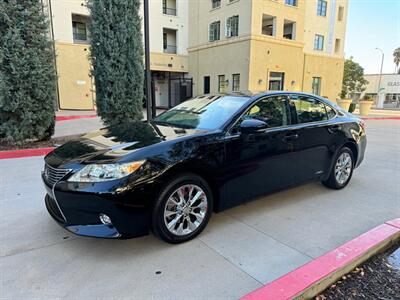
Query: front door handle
{"points": [[290, 137], [334, 128]]}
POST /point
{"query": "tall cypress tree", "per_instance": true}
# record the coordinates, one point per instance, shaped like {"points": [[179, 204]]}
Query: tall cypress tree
{"points": [[116, 52], [27, 74]]}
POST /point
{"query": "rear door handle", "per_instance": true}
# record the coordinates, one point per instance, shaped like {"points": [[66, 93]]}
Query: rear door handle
{"points": [[290, 137]]}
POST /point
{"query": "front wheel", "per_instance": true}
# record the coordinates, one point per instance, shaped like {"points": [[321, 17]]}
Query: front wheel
{"points": [[342, 170], [183, 209]]}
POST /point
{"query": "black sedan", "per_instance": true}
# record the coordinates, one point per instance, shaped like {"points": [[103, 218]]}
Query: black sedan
{"points": [[205, 155]]}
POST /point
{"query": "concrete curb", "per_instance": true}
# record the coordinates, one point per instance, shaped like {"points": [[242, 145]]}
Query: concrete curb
{"points": [[25, 153], [314, 277], [66, 118]]}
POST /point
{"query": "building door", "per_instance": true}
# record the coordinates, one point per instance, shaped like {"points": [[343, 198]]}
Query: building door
{"points": [[206, 84], [276, 81]]}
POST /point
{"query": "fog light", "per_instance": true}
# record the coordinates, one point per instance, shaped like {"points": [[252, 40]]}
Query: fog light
{"points": [[105, 219]]}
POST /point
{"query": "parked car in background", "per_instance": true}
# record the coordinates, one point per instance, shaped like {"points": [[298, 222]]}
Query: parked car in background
{"points": [[205, 155]]}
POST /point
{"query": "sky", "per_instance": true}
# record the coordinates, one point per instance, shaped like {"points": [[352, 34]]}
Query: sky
{"points": [[371, 24]]}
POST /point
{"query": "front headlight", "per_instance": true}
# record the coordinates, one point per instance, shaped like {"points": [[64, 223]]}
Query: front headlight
{"points": [[105, 172]]}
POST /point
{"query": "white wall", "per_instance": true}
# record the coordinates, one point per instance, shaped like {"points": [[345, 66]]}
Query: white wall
{"points": [[158, 21]]}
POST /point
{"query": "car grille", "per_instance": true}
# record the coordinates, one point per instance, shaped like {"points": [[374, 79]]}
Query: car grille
{"points": [[53, 175]]}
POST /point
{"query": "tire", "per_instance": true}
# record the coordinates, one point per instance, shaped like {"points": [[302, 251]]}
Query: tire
{"points": [[333, 181], [192, 214]]}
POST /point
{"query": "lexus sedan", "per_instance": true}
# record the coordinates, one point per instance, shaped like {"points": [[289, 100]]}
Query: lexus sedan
{"points": [[205, 155]]}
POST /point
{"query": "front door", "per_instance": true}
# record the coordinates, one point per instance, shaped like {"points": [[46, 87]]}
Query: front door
{"points": [[262, 162], [276, 81]]}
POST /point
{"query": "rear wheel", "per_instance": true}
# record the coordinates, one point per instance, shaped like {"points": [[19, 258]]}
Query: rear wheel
{"points": [[342, 170], [183, 209]]}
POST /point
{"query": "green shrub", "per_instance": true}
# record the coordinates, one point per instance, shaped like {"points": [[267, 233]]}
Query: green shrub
{"points": [[117, 59], [27, 74]]}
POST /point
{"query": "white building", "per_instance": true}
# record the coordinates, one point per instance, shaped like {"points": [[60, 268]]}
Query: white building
{"points": [[389, 90]]}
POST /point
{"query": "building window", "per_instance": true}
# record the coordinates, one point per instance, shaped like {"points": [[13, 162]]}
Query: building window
{"points": [[215, 3], [221, 83], [206, 84], [276, 81], [289, 30], [214, 33], [79, 29], [319, 42], [169, 7], [291, 2], [232, 26], [169, 41], [340, 13], [316, 85], [337, 45], [321, 8], [268, 25], [235, 82]]}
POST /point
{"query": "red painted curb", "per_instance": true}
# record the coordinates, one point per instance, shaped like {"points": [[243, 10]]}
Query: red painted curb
{"points": [[66, 118], [25, 153], [380, 118], [293, 283]]}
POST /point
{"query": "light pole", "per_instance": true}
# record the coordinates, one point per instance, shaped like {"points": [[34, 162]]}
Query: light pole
{"points": [[379, 102], [147, 60]]}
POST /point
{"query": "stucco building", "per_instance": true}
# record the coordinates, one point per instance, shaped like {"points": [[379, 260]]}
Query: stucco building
{"points": [[214, 46], [389, 90], [168, 46], [267, 45]]}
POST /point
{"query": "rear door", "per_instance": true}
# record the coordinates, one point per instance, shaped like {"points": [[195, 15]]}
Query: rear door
{"points": [[317, 136]]}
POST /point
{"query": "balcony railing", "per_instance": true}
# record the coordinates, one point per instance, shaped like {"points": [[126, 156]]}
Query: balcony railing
{"points": [[170, 49], [169, 11]]}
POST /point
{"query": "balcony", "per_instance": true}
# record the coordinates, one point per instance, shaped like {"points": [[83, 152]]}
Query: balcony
{"points": [[171, 49], [169, 7]]}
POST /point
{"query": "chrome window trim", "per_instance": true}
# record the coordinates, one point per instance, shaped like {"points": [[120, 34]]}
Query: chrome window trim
{"points": [[229, 135]]}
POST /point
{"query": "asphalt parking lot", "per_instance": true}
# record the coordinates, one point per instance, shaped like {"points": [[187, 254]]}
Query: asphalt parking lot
{"points": [[240, 250]]}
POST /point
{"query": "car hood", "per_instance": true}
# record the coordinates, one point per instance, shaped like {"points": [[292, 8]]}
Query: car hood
{"points": [[111, 143]]}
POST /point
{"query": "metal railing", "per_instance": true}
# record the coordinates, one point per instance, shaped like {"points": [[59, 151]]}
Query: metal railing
{"points": [[170, 49], [169, 11]]}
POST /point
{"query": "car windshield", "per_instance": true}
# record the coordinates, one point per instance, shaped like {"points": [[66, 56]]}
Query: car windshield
{"points": [[203, 113]]}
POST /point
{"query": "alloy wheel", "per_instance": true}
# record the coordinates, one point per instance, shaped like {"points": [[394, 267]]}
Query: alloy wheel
{"points": [[343, 168], [185, 210]]}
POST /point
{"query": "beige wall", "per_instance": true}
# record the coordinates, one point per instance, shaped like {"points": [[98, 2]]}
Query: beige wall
{"points": [[328, 26], [74, 82], [168, 62], [330, 69]]}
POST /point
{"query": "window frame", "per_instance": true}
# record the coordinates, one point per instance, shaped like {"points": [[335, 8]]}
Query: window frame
{"points": [[229, 26], [215, 4], [223, 83], [319, 85], [216, 31], [322, 7], [317, 38], [293, 3], [233, 82], [75, 32]]}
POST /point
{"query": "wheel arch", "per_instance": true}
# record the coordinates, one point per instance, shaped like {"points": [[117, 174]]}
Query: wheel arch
{"points": [[199, 170]]}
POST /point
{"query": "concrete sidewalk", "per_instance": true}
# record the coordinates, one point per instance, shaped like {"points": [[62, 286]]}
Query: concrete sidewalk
{"points": [[241, 248]]}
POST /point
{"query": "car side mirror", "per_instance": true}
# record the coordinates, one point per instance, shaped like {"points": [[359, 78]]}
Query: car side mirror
{"points": [[250, 126]]}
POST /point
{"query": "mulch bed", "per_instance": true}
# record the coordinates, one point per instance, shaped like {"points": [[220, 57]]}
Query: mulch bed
{"points": [[38, 144], [377, 278]]}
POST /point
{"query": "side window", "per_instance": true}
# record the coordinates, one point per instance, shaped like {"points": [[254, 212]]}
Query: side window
{"points": [[272, 110], [309, 110], [330, 111]]}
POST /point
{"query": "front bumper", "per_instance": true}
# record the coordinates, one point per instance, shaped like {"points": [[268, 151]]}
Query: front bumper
{"points": [[77, 208]]}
